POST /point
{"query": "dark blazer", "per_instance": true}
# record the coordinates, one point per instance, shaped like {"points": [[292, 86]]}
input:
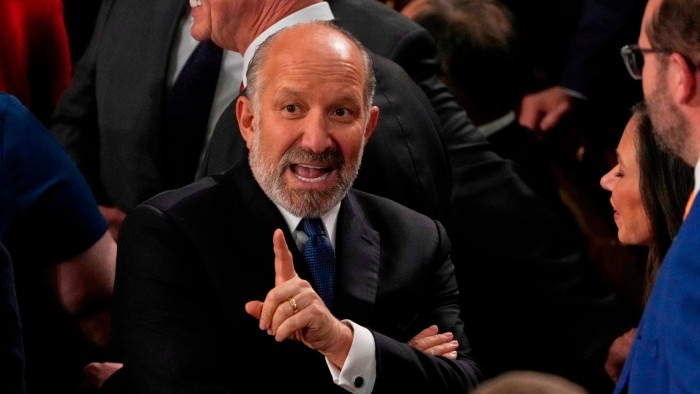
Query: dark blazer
{"points": [[190, 259], [665, 354], [594, 67], [109, 119], [515, 142]]}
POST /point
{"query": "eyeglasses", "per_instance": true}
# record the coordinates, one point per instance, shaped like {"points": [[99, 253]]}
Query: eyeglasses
{"points": [[633, 57]]}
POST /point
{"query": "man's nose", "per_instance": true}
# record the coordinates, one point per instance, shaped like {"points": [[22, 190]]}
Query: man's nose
{"points": [[316, 135]]}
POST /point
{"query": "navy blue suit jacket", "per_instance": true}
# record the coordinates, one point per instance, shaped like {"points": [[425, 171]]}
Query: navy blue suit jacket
{"points": [[665, 355]]}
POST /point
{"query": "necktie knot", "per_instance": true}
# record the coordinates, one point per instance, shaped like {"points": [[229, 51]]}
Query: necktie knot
{"points": [[313, 227], [320, 257]]}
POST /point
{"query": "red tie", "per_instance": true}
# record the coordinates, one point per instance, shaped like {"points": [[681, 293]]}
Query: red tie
{"points": [[689, 204]]}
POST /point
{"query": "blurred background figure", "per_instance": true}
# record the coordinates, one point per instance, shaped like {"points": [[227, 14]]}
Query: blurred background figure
{"points": [[529, 382], [518, 45], [649, 190], [483, 67], [80, 19], [35, 65], [62, 254], [495, 45], [486, 62], [577, 100], [587, 73], [137, 128]]}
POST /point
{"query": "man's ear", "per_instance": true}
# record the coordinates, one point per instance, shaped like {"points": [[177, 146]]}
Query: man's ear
{"points": [[372, 122], [245, 116], [683, 79]]}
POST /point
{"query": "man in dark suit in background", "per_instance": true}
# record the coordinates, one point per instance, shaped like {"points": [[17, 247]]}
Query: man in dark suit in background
{"points": [[482, 64], [113, 118], [512, 251], [194, 261]]}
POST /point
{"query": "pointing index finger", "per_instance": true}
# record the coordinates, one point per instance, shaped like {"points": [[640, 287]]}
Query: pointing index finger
{"points": [[284, 265]]}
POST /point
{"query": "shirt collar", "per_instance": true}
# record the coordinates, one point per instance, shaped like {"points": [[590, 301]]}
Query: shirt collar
{"points": [[330, 219], [319, 11]]}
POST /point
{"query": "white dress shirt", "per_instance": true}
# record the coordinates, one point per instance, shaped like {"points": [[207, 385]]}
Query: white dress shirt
{"points": [[361, 360]]}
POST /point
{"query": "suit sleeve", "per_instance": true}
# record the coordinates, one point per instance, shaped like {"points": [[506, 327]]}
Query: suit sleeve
{"points": [[74, 121], [161, 304], [401, 367]]}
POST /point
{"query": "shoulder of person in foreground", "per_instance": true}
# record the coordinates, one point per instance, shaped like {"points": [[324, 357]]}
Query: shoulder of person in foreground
{"points": [[44, 186]]}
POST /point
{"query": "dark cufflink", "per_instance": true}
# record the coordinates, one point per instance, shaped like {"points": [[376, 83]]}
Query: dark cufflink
{"points": [[359, 382]]}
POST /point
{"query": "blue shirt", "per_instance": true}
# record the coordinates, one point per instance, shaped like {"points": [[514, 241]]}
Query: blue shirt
{"points": [[47, 212]]}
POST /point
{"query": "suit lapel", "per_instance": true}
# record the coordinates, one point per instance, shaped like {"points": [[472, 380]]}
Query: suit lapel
{"points": [[260, 215], [357, 244], [357, 263]]}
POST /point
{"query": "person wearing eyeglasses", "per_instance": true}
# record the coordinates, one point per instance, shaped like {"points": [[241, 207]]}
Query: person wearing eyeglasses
{"points": [[665, 354]]}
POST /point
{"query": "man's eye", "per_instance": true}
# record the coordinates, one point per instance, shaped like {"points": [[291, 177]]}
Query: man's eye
{"points": [[290, 108], [341, 111]]}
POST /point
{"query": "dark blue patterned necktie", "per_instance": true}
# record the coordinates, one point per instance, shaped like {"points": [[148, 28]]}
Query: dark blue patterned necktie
{"points": [[318, 254], [187, 110]]}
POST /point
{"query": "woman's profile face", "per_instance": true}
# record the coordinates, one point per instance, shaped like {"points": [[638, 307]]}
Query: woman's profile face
{"points": [[633, 227]]}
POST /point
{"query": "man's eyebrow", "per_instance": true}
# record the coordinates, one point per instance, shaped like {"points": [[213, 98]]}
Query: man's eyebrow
{"points": [[287, 92]]}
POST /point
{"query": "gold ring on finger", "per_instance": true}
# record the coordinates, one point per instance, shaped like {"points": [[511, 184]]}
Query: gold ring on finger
{"points": [[293, 303]]}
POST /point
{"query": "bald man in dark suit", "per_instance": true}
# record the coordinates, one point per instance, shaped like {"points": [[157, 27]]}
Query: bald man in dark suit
{"points": [[197, 269], [512, 250]]}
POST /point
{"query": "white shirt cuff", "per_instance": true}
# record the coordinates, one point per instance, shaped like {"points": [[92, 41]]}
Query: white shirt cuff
{"points": [[360, 370]]}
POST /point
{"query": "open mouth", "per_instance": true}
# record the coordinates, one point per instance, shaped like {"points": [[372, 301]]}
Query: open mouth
{"points": [[310, 173]]}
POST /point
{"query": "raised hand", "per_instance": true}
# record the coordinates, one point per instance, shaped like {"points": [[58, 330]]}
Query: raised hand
{"points": [[293, 310]]}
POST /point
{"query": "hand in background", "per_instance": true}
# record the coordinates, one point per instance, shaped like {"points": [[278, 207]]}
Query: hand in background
{"points": [[542, 111], [617, 354], [114, 217], [431, 342], [97, 373]]}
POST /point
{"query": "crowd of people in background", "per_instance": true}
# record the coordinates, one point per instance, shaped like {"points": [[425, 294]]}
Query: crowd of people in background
{"points": [[354, 195]]}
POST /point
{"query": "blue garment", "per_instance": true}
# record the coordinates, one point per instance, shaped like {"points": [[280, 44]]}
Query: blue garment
{"points": [[47, 211], [665, 355], [47, 215]]}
